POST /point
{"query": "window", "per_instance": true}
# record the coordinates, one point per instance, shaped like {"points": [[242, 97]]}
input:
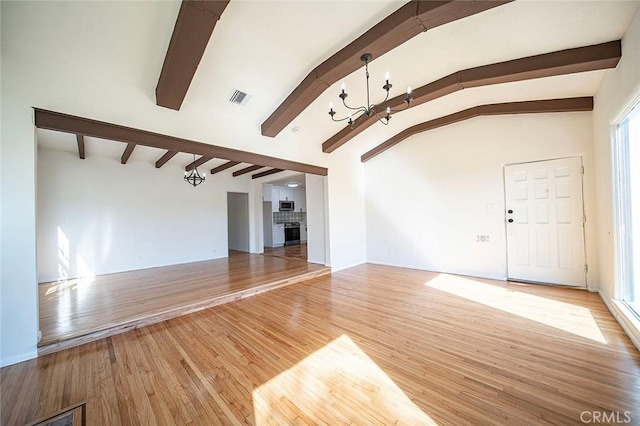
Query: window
{"points": [[626, 174]]}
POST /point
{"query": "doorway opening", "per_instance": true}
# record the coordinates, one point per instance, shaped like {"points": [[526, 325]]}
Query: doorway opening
{"points": [[238, 222], [284, 212]]}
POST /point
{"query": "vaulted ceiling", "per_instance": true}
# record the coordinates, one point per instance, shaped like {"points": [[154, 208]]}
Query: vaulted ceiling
{"points": [[267, 48]]}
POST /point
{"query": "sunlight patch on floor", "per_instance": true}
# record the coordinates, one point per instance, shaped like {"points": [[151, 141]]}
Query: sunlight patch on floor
{"points": [[560, 315], [337, 384]]}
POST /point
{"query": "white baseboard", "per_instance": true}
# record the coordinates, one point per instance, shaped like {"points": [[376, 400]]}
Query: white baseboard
{"points": [[422, 268], [347, 267], [626, 319], [18, 358]]}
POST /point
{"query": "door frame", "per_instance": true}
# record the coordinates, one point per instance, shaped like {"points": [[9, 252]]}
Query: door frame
{"points": [[584, 237]]}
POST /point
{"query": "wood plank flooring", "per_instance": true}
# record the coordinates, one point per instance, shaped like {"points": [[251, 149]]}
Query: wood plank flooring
{"points": [[130, 299], [367, 345], [298, 251]]}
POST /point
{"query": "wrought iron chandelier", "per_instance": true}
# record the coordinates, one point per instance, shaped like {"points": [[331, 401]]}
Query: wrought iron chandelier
{"points": [[193, 177], [382, 114]]}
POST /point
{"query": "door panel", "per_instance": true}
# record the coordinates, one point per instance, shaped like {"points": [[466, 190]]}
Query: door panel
{"points": [[545, 240]]}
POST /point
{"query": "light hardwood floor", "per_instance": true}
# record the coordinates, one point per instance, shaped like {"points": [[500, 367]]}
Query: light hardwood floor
{"points": [[298, 251], [368, 345], [130, 299]]}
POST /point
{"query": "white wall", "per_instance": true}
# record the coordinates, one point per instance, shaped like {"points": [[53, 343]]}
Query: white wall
{"points": [[346, 209], [18, 295], [107, 217], [32, 79], [238, 221], [619, 89], [431, 195]]}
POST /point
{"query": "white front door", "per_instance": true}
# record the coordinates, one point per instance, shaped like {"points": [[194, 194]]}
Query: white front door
{"points": [[544, 221]]}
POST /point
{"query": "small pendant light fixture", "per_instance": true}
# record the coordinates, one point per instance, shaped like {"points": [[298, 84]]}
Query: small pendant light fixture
{"points": [[382, 114], [193, 177]]}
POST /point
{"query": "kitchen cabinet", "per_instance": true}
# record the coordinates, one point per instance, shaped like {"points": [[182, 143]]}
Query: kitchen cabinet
{"points": [[266, 192], [296, 200], [303, 232], [300, 199], [278, 235], [275, 198], [286, 194]]}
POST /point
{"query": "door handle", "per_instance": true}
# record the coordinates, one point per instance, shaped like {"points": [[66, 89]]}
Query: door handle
{"points": [[510, 221]]}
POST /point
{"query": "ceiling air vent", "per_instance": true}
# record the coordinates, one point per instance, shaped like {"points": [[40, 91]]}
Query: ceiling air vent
{"points": [[238, 97]]}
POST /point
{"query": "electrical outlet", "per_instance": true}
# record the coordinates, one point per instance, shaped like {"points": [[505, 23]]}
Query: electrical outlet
{"points": [[139, 258], [482, 238]]}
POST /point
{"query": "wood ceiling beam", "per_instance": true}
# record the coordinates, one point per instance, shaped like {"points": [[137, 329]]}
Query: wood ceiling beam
{"points": [[80, 140], [224, 167], [199, 162], [194, 26], [72, 124], [528, 107], [266, 173], [569, 61], [247, 170], [405, 23], [166, 157], [127, 153]]}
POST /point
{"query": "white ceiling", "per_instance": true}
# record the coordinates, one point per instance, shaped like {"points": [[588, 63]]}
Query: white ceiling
{"points": [[300, 178], [267, 47]]}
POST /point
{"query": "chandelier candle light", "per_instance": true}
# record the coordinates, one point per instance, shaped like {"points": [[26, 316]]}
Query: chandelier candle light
{"points": [[193, 177], [382, 114]]}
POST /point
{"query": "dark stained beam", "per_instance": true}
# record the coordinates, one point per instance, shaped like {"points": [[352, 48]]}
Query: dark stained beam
{"points": [[78, 125], [528, 107], [581, 59], [224, 167], [247, 170], [80, 140], [127, 153], [199, 162], [194, 26], [266, 173], [166, 157], [405, 23]]}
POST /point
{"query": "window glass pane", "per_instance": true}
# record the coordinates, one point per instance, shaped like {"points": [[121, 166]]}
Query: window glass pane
{"points": [[626, 168], [634, 193]]}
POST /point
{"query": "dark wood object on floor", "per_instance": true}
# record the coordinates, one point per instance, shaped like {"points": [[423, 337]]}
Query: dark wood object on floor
{"points": [[66, 416]]}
